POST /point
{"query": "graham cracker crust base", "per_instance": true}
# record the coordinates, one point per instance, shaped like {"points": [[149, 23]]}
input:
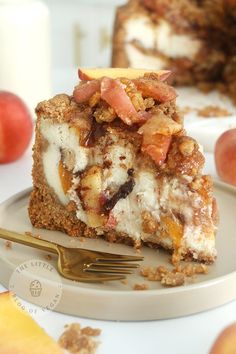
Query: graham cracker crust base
{"points": [[45, 211]]}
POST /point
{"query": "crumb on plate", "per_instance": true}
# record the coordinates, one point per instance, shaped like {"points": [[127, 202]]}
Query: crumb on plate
{"points": [[138, 286], [173, 277], [48, 257], [8, 245]]}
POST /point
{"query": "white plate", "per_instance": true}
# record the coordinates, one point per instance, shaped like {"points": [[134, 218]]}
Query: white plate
{"points": [[205, 130], [118, 301]]}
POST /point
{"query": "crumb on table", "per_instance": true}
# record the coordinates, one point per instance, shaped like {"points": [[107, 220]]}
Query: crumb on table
{"points": [[213, 111], [186, 110], [89, 331], [78, 340], [207, 111]]}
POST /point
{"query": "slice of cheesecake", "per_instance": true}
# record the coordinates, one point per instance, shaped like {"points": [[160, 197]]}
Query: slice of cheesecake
{"points": [[113, 161]]}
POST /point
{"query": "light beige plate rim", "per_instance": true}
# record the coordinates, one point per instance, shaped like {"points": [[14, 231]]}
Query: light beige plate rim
{"points": [[117, 301]]}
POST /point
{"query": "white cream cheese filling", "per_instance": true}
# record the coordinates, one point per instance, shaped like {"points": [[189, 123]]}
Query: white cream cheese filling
{"points": [[149, 194], [116, 174], [196, 240], [143, 197], [60, 136]]}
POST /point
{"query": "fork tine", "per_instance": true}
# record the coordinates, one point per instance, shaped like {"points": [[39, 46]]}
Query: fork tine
{"points": [[94, 277], [114, 265], [109, 257], [107, 270]]}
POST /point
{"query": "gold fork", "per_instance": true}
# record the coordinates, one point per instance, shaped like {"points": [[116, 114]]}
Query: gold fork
{"points": [[80, 264]]}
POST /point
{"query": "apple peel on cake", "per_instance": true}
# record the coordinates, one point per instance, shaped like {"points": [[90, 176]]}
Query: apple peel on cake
{"points": [[114, 161]]}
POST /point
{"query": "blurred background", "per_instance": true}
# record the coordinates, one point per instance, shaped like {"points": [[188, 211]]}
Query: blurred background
{"points": [[81, 32], [43, 42]]}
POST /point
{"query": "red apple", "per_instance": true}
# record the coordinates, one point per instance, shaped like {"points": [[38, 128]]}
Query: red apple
{"points": [[225, 342], [225, 156], [16, 127]]}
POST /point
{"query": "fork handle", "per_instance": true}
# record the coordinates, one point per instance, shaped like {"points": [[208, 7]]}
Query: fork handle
{"points": [[28, 240]]}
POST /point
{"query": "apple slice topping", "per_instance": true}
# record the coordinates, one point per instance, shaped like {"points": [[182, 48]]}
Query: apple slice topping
{"points": [[83, 92], [125, 91], [157, 147], [161, 124], [157, 135], [155, 89], [87, 74], [113, 92]]}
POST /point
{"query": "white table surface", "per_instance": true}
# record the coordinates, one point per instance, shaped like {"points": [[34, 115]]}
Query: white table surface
{"points": [[193, 334]]}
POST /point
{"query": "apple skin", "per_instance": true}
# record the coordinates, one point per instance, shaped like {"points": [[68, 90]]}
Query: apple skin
{"points": [[114, 73], [225, 156], [16, 127], [225, 342], [20, 334]]}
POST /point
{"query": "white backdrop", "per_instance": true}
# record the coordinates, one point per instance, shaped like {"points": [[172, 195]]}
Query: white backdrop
{"points": [[81, 33]]}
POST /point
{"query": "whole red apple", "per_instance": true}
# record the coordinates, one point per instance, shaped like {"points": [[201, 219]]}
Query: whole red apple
{"points": [[225, 156], [16, 127], [226, 341]]}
